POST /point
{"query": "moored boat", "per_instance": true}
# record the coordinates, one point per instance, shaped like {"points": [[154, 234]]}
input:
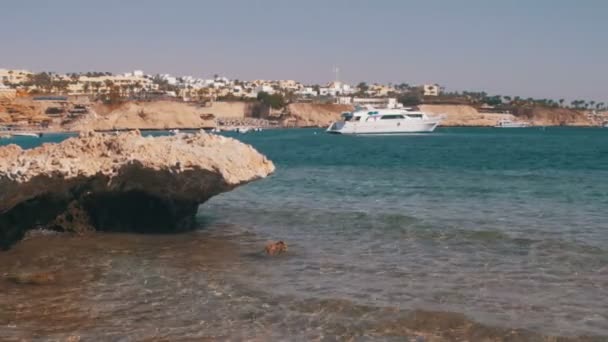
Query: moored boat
{"points": [[384, 121], [506, 123], [26, 134]]}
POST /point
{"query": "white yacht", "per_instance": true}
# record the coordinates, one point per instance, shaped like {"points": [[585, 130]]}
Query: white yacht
{"points": [[506, 123], [384, 121]]}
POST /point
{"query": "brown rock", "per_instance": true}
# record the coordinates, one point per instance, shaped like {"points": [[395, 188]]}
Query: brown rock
{"points": [[41, 278], [276, 248]]}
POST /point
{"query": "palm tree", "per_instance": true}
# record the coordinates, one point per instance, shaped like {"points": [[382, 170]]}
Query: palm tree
{"points": [[97, 86]]}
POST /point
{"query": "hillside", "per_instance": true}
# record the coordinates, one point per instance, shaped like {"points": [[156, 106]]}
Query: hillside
{"points": [[464, 115], [543, 116], [22, 112], [312, 114], [144, 115]]}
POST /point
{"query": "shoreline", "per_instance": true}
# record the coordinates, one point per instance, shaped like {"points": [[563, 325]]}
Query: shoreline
{"points": [[232, 129]]}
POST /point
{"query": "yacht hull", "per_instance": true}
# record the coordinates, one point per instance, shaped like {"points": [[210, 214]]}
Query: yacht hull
{"points": [[403, 127]]}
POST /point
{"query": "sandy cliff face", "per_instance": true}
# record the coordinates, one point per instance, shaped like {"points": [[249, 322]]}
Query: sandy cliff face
{"points": [[232, 110], [314, 114], [144, 115], [21, 111], [541, 116], [123, 182], [464, 115]]}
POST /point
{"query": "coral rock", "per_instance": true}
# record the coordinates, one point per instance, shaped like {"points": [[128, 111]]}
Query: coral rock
{"points": [[122, 182]]}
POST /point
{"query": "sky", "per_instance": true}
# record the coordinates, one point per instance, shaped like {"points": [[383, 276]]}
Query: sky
{"points": [[541, 48]]}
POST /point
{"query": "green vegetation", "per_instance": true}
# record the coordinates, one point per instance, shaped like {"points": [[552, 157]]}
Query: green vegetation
{"points": [[275, 101]]}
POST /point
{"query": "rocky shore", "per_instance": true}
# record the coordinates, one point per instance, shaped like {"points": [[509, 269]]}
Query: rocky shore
{"points": [[122, 182]]}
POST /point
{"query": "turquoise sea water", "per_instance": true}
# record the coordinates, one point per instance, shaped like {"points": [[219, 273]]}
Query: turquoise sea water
{"points": [[508, 226]]}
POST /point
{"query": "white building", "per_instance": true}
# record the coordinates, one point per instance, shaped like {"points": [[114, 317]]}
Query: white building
{"points": [[336, 88], [431, 89], [307, 91], [14, 76], [264, 88]]}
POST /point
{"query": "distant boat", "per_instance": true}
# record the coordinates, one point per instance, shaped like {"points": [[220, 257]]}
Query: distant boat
{"points": [[26, 134], [506, 123], [174, 131]]}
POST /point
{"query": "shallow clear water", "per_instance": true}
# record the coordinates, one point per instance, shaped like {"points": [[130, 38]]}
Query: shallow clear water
{"points": [[508, 226]]}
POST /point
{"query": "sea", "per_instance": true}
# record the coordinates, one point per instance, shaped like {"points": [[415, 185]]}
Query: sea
{"points": [[460, 234]]}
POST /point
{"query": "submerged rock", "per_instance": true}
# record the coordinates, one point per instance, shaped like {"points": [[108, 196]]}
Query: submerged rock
{"points": [[122, 182], [276, 248], [39, 278]]}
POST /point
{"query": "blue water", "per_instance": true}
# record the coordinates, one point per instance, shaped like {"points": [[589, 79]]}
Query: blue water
{"points": [[508, 226]]}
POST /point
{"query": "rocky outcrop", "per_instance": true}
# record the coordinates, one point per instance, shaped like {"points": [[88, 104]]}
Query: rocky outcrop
{"points": [[153, 115], [544, 116], [314, 114], [122, 182], [464, 115]]}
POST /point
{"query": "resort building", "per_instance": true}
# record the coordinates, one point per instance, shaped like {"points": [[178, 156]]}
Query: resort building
{"points": [[431, 89], [8, 76]]}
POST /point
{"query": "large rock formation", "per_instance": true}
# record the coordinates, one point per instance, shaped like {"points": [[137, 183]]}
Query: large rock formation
{"points": [[160, 115], [315, 114], [465, 115], [122, 182]]}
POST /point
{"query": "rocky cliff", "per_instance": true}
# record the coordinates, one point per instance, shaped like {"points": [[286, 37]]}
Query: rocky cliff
{"points": [[465, 115], [144, 115], [542, 116], [314, 114], [122, 182]]}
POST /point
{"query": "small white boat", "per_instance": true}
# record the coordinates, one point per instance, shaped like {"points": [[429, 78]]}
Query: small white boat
{"points": [[174, 131], [242, 129], [26, 134], [384, 121], [506, 123]]}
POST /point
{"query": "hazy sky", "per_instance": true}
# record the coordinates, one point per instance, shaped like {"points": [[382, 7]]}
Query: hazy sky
{"points": [[540, 48]]}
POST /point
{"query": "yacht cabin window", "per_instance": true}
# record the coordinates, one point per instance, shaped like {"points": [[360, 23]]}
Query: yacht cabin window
{"points": [[391, 117]]}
